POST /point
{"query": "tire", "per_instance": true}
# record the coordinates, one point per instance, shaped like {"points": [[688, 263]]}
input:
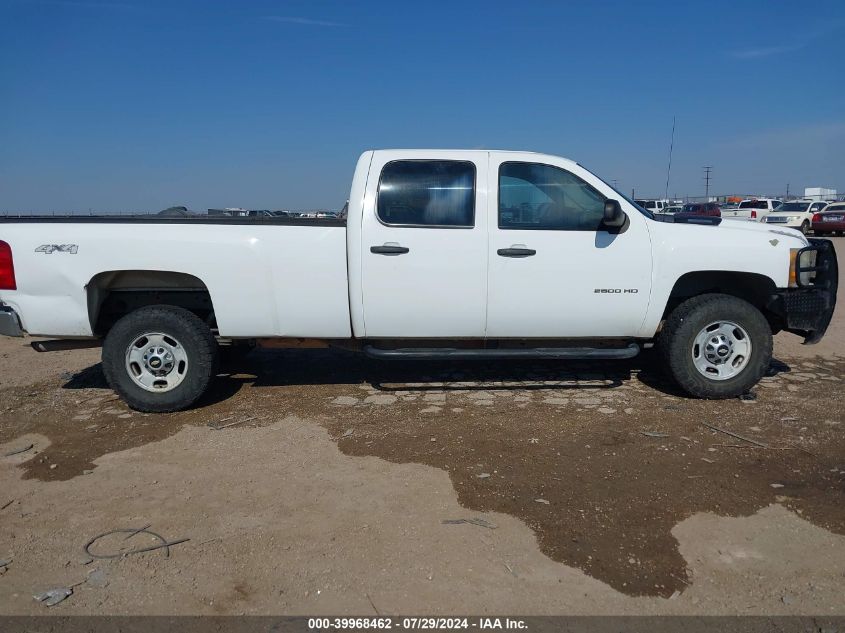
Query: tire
{"points": [[805, 227], [679, 345], [193, 358]]}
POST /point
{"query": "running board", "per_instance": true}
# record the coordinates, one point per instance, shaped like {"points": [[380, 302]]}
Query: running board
{"points": [[453, 353], [60, 345]]}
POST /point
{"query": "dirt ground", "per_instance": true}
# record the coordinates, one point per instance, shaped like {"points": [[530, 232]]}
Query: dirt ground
{"points": [[320, 482]]}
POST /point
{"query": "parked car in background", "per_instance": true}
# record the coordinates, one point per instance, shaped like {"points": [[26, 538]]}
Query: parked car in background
{"points": [[753, 209], [675, 208], [796, 214], [700, 209], [655, 206], [830, 220]]}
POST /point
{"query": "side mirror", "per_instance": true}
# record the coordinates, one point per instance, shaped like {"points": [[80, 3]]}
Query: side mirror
{"points": [[614, 217]]}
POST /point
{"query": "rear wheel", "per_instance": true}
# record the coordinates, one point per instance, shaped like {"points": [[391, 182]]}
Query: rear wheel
{"points": [[805, 227], [716, 346], [160, 358]]}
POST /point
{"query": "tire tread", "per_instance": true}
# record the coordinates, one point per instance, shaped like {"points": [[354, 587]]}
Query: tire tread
{"points": [[202, 368], [674, 348]]}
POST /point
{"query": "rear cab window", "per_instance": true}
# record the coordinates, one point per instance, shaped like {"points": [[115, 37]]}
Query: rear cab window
{"points": [[427, 194]]}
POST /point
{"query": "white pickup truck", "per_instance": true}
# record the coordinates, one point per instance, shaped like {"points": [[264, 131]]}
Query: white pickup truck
{"points": [[442, 254], [753, 209]]}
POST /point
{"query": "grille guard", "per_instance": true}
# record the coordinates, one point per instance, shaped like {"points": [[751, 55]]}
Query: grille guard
{"points": [[808, 309]]}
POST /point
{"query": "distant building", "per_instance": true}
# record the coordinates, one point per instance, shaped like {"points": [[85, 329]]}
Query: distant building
{"points": [[819, 193]]}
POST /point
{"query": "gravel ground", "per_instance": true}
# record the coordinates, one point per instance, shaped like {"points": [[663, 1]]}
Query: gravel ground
{"points": [[589, 488]]}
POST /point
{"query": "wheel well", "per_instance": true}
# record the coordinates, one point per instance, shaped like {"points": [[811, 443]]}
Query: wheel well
{"points": [[752, 287], [116, 293]]}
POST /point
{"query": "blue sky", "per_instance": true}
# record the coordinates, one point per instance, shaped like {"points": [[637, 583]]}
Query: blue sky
{"points": [[138, 105]]}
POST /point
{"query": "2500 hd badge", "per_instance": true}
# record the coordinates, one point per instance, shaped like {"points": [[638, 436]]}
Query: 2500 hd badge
{"points": [[616, 291]]}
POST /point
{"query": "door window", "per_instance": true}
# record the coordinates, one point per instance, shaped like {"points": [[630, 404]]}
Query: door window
{"points": [[537, 196], [427, 193]]}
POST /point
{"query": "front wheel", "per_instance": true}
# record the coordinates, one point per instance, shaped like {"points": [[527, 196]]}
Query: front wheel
{"points": [[716, 346], [160, 358], [805, 227]]}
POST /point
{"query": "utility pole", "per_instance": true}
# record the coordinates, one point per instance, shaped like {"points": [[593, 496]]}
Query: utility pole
{"points": [[707, 171], [787, 191], [615, 183]]}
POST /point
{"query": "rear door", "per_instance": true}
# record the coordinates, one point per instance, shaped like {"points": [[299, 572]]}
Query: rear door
{"points": [[424, 245], [555, 271]]}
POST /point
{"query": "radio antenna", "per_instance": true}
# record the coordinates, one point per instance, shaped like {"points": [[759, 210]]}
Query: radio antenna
{"points": [[669, 169]]}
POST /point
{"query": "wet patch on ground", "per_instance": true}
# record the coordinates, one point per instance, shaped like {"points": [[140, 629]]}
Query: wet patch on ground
{"points": [[601, 460]]}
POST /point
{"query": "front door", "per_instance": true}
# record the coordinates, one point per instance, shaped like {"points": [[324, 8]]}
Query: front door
{"points": [[424, 248], [555, 271]]}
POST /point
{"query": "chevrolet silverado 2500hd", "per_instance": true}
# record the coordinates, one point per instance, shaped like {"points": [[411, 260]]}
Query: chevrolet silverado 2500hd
{"points": [[442, 254]]}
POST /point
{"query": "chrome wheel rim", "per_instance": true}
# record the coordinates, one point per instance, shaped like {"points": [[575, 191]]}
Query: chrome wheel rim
{"points": [[156, 362], [721, 350]]}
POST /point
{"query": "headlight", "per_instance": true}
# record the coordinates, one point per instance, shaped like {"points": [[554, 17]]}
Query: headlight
{"points": [[793, 218], [807, 259]]}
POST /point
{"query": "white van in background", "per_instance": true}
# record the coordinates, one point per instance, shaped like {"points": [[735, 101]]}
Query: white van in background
{"points": [[655, 206]]}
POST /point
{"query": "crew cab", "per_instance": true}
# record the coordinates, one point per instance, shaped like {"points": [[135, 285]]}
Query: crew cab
{"points": [[752, 209], [796, 214], [441, 254]]}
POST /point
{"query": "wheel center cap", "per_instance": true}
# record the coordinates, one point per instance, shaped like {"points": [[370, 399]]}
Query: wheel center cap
{"points": [[723, 350]]}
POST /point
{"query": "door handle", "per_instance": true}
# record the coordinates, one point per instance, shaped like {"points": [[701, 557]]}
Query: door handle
{"points": [[517, 250], [389, 249]]}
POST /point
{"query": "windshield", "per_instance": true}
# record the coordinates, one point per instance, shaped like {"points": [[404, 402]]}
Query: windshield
{"points": [[794, 206], [752, 204]]}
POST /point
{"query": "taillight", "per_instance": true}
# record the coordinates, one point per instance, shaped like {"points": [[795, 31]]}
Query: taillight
{"points": [[817, 217], [753, 214], [7, 268]]}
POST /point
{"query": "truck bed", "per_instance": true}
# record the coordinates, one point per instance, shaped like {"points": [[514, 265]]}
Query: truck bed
{"points": [[265, 276]]}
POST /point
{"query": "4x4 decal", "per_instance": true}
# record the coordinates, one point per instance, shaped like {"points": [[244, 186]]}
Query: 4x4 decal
{"points": [[48, 249]]}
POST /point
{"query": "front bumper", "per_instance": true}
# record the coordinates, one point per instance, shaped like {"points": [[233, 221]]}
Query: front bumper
{"points": [[808, 309], [10, 324], [790, 224]]}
